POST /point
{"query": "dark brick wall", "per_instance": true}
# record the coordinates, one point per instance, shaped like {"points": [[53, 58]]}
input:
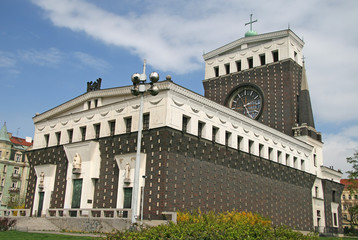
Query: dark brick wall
{"points": [[280, 83], [54, 155], [186, 172], [328, 188]]}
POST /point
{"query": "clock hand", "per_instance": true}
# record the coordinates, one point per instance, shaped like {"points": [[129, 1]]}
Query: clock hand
{"points": [[247, 110]]}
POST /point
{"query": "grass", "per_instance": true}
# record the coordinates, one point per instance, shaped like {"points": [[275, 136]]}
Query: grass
{"points": [[338, 238], [15, 235]]}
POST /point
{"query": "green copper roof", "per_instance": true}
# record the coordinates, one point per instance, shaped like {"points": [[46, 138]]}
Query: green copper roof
{"points": [[250, 33], [3, 134]]}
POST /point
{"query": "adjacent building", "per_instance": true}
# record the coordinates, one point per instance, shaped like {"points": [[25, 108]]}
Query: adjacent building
{"points": [[349, 199], [14, 169], [249, 143]]}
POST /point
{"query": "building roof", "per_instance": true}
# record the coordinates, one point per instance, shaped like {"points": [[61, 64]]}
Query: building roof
{"points": [[348, 182], [20, 141], [4, 136]]}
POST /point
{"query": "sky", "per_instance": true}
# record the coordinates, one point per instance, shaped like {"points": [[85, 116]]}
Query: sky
{"points": [[50, 49]]}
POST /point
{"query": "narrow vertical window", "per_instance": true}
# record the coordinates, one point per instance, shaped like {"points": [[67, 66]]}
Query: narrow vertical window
{"points": [[216, 71], [315, 160], [89, 104], [97, 130], [250, 62], [303, 168], [83, 133], [251, 147], [261, 150], [47, 138], [275, 56], [333, 196], [262, 59], [185, 124], [200, 129], [316, 191], [295, 56], [335, 219], [128, 122], [227, 68], [270, 153], [227, 138], [146, 121], [240, 143], [70, 135], [238, 66], [112, 127], [279, 156], [96, 103], [287, 159], [295, 162], [214, 133], [58, 138]]}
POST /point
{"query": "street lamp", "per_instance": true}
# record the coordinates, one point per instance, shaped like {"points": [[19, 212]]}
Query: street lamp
{"points": [[139, 88]]}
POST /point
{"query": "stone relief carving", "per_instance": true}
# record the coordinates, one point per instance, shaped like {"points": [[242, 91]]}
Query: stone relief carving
{"points": [[76, 164], [93, 86]]}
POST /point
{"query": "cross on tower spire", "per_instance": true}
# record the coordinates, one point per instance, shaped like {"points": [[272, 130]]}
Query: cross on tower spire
{"points": [[251, 22]]}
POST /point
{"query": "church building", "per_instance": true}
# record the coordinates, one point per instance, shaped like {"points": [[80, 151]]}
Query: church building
{"points": [[249, 143]]}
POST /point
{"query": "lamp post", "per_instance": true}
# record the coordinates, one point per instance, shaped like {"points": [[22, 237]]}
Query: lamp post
{"points": [[139, 88]]}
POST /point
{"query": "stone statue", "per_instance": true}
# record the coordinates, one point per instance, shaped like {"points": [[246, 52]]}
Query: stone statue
{"points": [[128, 171], [93, 86], [42, 178], [77, 161]]}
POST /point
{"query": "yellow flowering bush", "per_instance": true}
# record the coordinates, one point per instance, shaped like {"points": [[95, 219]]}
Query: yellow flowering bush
{"points": [[207, 226]]}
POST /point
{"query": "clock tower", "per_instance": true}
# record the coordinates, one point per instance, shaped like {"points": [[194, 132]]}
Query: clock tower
{"points": [[263, 77]]}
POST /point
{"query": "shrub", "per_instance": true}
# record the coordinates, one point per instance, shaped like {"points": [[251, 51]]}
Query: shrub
{"points": [[226, 225], [6, 223]]}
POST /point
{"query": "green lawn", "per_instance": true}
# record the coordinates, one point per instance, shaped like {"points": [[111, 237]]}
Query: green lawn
{"points": [[15, 235], [337, 238]]}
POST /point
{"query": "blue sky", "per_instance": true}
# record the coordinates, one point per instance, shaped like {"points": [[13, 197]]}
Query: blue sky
{"points": [[50, 49]]}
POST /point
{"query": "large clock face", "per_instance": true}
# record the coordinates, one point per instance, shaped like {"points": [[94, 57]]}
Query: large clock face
{"points": [[247, 100]]}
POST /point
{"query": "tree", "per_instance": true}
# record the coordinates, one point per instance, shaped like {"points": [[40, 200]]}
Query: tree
{"points": [[353, 215], [353, 174]]}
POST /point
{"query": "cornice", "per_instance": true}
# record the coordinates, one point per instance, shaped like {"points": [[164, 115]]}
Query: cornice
{"points": [[257, 38]]}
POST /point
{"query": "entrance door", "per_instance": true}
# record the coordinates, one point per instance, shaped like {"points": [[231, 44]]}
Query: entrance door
{"points": [[76, 194], [41, 203], [127, 203]]}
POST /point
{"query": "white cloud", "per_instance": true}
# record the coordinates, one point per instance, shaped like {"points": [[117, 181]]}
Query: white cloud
{"points": [[7, 60], [49, 57], [339, 146], [90, 61]]}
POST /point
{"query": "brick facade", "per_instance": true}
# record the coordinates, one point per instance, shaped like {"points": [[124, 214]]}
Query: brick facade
{"points": [[280, 83], [186, 173]]}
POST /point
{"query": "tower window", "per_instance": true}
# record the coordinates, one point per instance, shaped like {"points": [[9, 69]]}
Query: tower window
{"points": [[261, 150], [200, 128], [96, 103], [315, 160], [215, 132], [70, 135], [240, 142], [251, 147], [185, 124], [295, 56], [58, 138], [262, 59], [128, 122], [287, 159], [279, 156], [216, 71], [47, 138], [146, 121], [227, 68], [112, 127], [275, 56], [227, 138], [238, 66], [97, 129], [303, 165], [270, 153], [250, 62], [83, 133]]}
